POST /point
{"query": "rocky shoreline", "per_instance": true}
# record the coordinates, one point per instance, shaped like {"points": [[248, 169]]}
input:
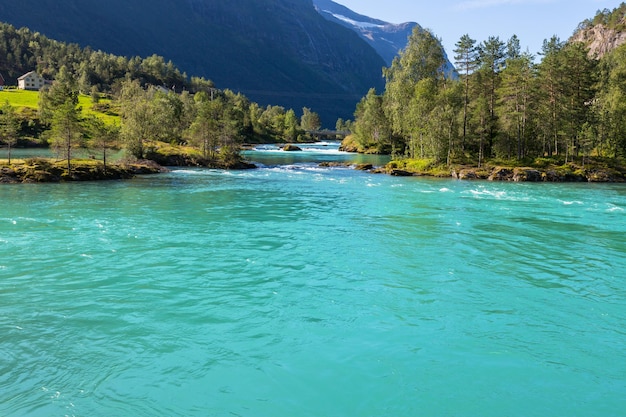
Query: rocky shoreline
{"points": [[40, 170], [524, 174], [520, 174]]}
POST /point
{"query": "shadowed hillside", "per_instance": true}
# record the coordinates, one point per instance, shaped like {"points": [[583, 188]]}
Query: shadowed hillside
{"points": [[274, 51]]}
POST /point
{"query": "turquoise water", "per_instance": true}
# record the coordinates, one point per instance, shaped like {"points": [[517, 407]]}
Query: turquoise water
{"points": [[294, 290]]}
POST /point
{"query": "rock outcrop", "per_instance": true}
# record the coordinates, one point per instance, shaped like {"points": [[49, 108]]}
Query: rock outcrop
{"points": [[292, 148], [599, 39]]}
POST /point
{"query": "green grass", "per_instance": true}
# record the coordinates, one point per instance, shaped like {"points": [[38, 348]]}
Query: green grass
{"points": [[20, 98], [30, 99]]}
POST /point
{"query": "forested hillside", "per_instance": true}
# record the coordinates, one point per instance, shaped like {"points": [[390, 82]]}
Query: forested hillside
{"points": [[196, 123], [22, 50], [274, 51]]}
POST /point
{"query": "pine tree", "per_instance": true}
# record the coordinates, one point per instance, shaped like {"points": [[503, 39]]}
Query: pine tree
{"points": [[466, 60], [516, 96], [59, 106], [492, 55]]}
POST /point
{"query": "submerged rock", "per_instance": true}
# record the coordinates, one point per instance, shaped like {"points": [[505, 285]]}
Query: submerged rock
{"points": [[401, 173]]}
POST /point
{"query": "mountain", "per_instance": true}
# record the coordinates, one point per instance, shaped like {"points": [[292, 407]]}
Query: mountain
{"points": [[386, 38], [605, 32], [279, 52]]}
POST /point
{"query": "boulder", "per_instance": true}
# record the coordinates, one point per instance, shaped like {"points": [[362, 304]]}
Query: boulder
{"points": [[291, 148], [466, 174], [526, 174], [605, 175], [501, 174]]}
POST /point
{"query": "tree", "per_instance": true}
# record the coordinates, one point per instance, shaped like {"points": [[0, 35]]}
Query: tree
{"points": [[610, 106], [310, 121], [466, 59], [102, 136], [292, 126], [412, 81], [168, 113], [492, 55], [371, 127], [516, 92], [204, 131], [139, 121], [63, 89], [59, 106], [578, 82], [551, 95], [66, 132], [448, 104], [9, 127]]}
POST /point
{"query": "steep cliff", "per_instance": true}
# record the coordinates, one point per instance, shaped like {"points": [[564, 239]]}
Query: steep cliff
{"points": [[605, 32], [599, 39]]}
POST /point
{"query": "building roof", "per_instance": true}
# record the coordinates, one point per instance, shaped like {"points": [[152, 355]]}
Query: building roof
{"points": [[28, 74]]}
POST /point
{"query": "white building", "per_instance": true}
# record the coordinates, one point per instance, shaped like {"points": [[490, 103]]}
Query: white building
{"points": [[31, 81]]}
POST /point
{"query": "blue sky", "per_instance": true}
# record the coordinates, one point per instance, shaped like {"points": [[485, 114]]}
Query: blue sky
{"points": [[531, 20]]}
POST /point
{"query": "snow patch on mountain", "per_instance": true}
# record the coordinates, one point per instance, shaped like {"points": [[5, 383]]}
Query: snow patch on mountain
{"points": [[362, 25]]}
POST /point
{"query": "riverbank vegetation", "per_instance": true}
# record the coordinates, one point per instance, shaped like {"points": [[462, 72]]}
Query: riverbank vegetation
{"points": [[504, 106], [146, 106]]}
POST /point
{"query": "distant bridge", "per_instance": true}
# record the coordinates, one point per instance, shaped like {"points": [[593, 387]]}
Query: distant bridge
{"points": [[328, 134]]}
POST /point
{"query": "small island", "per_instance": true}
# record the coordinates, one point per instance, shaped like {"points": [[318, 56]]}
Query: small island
{"points": [[36, 170]]}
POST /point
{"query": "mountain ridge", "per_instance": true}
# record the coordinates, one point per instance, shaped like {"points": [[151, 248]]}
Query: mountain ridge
{"points": [[388, 39]]}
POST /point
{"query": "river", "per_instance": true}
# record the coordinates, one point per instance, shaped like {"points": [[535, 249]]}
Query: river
{"points": [[296, 290]]}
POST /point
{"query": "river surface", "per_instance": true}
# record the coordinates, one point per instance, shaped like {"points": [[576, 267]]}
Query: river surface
{"points": [[294, 290]]}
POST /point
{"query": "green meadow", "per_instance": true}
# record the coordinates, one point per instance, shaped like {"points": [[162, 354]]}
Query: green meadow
{"points": [[104, 109]]}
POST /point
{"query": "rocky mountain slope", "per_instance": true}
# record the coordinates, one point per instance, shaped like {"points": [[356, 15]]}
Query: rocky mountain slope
{"points": [[605, 32], [386, 38], [274, 51]]}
